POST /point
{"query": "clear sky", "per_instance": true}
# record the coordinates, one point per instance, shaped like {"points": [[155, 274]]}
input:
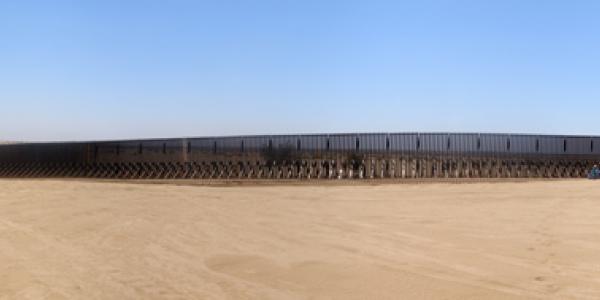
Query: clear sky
{"points": [[82, 70]]}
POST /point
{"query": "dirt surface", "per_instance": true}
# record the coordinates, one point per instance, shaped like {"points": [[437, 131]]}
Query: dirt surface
{"points": [[102, 240]]}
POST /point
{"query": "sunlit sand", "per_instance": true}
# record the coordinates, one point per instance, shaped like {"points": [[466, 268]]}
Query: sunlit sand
{"points": [[103, 240]]}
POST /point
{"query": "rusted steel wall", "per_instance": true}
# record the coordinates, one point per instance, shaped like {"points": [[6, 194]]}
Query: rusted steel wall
{"points": [[362, 155]]}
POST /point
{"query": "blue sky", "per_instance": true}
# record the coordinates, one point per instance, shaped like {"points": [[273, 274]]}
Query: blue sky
{"points": [[83, 70]]}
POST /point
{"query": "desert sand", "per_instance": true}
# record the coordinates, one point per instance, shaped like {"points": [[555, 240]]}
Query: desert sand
{"points": [[105, 240]]}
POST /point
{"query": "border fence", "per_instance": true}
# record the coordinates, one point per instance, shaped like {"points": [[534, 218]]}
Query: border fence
{"points": [[310, 156]]}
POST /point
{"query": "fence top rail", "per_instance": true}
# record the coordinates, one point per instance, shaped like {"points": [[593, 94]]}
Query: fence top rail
{"points": [[357, 134]]}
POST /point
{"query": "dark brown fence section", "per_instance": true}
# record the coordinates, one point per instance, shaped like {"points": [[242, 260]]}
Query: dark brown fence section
{"points": [[326, 156]]}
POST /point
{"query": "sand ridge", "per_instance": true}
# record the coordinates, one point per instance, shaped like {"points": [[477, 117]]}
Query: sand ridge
{"points": [[103, 240]]}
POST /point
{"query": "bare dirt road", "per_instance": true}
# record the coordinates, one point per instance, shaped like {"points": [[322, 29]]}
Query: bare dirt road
{"points": [[102, 240]]}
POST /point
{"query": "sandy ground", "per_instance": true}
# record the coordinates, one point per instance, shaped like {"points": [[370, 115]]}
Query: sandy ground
{"points": [[101, 240]]}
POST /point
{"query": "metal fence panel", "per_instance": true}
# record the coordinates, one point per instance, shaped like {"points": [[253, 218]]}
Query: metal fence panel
{"points": [[316, 142], [169, 145], [342, 142], [403, 142], [494, 143], [523, 144], [202, 144], [578, 145], [466, 143], [551, 144], [151, 146], [110, 148], [434, 142], [255, 143], [284, 141], [229, 144], [4, 153], [129, 145], [595, 145], [372, 142]]}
